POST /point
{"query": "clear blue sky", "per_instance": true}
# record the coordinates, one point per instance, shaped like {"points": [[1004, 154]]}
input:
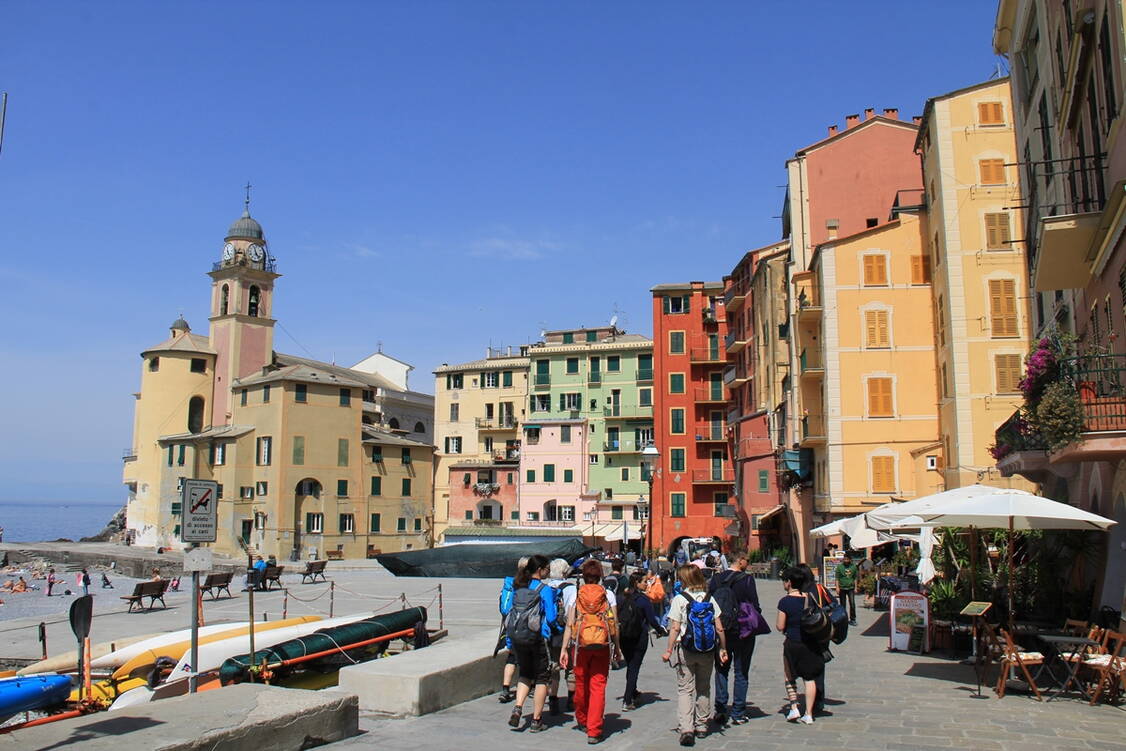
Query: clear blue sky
{"points": [[433, 175]]}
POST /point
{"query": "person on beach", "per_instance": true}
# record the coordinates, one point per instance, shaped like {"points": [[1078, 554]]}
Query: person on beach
{"points": [[528, 627], [84, 582], [635, 619], [799, 658], [507, 590], [695, 635], [52, 580], [590, 642]]}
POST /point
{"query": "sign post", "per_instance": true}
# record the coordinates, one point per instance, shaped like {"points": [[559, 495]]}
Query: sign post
{"points": [[199, 505]]}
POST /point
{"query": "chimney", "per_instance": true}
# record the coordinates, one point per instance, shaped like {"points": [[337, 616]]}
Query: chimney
{"points": [[832, 130], [917, 119], [851, 121], [510, 350], [869, 113], [892, 113]]}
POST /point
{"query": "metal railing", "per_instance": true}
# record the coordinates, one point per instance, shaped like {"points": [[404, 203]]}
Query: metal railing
{"points": [[645, 374], [594, 376], [713, 474], [1101, 383], [810, 361], [501, 423], [707, 354], [711, 431], [812, 425], [1015, 434], [128, 455], [542, 379], [710, 394]]}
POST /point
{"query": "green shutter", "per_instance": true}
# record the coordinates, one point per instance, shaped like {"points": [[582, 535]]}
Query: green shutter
{"points": [[298, 449], [685, 303], [530, 476], [506, 378], [549, 473], [377, 485], [591, 336], [616, 513], [342, 488], [763, 481], [406, 487], [666, 306], [568, 475], [375, 522], [568, 338], [342, 452], [401, 525]]}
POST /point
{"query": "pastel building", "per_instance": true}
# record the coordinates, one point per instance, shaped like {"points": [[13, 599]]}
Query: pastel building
{"points": [[554, 474]]}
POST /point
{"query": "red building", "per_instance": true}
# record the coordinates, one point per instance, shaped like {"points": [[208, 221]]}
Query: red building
{"points": [[692, 485]]}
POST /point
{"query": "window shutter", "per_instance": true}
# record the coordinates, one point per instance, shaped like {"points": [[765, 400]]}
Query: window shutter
{"points": [[685, 303], [920, 269], [876, 328], [1008, 373], [1002, 307], [883, 474], [875, 271], [666, 307], [879, 397], [990, 113], [870, 335], [992, 171], [997, 231]]}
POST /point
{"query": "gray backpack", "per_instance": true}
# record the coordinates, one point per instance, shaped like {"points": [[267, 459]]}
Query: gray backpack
{"points": [[523, 623]]}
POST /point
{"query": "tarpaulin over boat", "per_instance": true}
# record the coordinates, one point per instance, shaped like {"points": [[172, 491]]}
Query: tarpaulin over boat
{"points": [[236, 669], [488, 561]]}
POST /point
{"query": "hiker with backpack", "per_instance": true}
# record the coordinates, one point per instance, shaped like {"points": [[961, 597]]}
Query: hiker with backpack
{"points": [[616, 580], [695, 635], [737, 595], [635, 617], [590, 642], [528, 628], [804, 625], [506, 592], [558, 570]]}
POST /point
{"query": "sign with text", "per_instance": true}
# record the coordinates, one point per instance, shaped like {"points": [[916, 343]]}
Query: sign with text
{"points": [[974, 609], [199, 506], [909, 610], [829, 573]]}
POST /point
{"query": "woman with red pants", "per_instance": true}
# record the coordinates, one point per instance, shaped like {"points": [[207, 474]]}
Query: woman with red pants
{"points": [[590, 640]]}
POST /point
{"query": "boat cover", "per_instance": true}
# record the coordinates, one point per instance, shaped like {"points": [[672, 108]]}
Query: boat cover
{"points": [[487, 561]]}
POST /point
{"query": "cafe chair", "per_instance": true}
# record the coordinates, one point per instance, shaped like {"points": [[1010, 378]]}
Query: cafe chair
{"points": [[1013, 657], [1074, 627], [1108, 667]]}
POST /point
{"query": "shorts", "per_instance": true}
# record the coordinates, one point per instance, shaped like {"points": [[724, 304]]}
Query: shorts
{"points": [[511, 659], [533, 663], [804, 661]]}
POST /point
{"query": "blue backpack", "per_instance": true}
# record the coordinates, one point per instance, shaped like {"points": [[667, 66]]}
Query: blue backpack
{"points": [[699, 625], [507, 593]]}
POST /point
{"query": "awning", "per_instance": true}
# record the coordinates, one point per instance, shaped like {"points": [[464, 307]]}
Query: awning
{"points": [[610, 532], [1062, 255], [763, 517]]}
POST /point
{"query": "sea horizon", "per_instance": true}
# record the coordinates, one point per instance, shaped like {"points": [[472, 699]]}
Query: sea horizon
{"points": [[25, 521]]}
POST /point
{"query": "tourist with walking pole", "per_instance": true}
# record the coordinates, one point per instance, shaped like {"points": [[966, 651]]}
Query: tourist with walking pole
{"points": [[590, 642]]}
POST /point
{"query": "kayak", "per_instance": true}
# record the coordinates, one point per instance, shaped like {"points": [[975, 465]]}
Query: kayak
{"points": [[178, 649], [25, 693], [128, 650], [68, 661], [110, 689], [144, 694]]}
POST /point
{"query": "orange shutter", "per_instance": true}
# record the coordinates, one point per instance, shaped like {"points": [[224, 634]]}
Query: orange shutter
{"points": [[879, 397], [920, 269], [992, 171], [875, 271], [1008, 373], [990, 113], [1002, 307], [997, 232], [883, 474], [876, 328]]}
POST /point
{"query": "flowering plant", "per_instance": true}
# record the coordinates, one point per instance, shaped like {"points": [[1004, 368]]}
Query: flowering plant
{"points": [[1041, 368]]}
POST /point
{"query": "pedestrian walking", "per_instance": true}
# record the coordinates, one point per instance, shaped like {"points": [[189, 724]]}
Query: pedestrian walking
{"points": [[528, 627], [507, 590], [590, 642], [557, 572], [742, 622], [636, 618], [84, 581], [847, 574], [616, 580], [824, 600], [695, 636], [800, 659]]}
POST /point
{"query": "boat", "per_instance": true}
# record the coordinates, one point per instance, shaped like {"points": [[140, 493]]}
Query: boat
{"points": [[125, 652], [487, 561], [68, 661], [28, 692]]}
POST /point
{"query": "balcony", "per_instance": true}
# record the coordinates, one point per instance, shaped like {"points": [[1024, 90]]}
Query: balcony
{"points": [[713, 476], [506, 455], [594, 376], [735, 342], [811, 365], [711, 432], [809, 308], [709, 315], [622, 412], [733, 299], [1020, 450], [623, 446], [812, 431], [709, 394], [129, 455], [506, 422], [486, 489], [541, 380], [644, 374], [707, 354]]}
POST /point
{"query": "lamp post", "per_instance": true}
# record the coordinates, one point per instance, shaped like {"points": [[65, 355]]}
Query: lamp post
{"points": [[649, 463]]}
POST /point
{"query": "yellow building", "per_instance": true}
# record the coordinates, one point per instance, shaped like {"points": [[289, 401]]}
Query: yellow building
{"points": [[865, 377], [478, 408], [980, 284], [312, 459]]}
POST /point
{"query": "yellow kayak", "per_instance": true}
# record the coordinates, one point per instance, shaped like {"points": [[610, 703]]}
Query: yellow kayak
{"points": [[148, 658], [66, 662], [109, 689]]}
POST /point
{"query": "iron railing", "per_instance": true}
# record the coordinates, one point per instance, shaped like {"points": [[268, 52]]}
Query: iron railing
{"points": [[1101, 384]]}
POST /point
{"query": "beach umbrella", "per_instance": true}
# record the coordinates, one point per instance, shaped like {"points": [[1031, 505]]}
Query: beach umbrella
{"points": [[892, 515], [859, 533], [827, 530]]}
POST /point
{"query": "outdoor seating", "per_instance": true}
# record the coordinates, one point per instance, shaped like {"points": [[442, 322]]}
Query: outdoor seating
{"points": [[272, 575], [334, 555], [313, 569], [1076, 627], [1012, 656], [1108, 667], [153, 590], [216, 583]]}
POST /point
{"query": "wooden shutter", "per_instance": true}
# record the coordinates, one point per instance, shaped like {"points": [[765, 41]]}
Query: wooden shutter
{"points": [[876, 328], [1002, 307], [920, 269], [992, 171], [1008, 373], [875, 271], [879, 397], [883, 474], [990, 113], [997, 231]]}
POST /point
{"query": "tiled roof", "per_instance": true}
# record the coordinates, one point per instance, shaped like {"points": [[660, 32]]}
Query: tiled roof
{"points": [[375, 435], [293, 368], [687, 286], [185, 342], [488, 364]]}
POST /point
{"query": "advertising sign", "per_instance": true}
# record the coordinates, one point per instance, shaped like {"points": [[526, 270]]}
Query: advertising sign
{"points": [[199, 505], [829, 572], [908, 611]]}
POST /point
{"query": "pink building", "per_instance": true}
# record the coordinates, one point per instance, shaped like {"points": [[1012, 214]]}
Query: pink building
{"points": [[483, 493], [553, 473]]}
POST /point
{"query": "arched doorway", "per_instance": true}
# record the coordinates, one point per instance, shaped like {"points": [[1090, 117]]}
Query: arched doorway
{"points": [[308, 516]]}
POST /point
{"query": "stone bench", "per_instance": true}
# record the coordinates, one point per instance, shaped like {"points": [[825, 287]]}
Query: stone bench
{"points": [[451, 671]]}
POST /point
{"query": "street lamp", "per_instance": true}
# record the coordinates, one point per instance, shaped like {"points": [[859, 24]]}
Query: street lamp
{"points": [[650, 458]]}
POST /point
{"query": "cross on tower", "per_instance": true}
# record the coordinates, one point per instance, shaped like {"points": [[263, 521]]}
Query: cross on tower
{"points": [[247, 204]]}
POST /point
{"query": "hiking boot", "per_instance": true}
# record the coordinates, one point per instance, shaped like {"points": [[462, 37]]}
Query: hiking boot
{"points": [[514, 719], [553, 705], [506, 695], [687, 739], [537, 726], [720, 718], [593, 740]]}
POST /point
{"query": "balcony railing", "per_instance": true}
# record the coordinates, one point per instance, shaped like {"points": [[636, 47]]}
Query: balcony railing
{"points": [[645, 374], [713, 474], [594, 376], [1015, 434], [542, 379], [810, 361], [707, 354], [507, 455], [1101, 383], [812, 426], [496, 423], [710, 394], [128, 455], [733, 298], [711, 431], [627, 412], [270, 265]]}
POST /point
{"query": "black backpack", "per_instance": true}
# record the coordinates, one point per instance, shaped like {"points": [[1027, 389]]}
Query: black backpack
{"points": [[815, 625], [724, 596], [523, 622], [631, 621], [612, 583]]}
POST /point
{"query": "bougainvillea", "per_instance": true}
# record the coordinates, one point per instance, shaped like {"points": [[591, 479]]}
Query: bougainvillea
{"points": [[1041, 368]]}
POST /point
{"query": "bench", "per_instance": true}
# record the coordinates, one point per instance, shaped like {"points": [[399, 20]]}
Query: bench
{"points": [[272, 575], [313, 569], [154, 590], [216, 583], [334, 555]]}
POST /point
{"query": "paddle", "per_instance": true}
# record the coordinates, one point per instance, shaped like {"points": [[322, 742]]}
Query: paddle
{"points": [[81, 614]]}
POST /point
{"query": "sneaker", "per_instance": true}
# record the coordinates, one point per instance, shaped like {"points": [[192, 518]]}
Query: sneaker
{"points": [[720, 718], [506, 695], [553, 704], [628, 706], [806, 719], [580, 727], [537, 726], [739, 720], [593, 740], [852, 623], [794, 714], [514, 718], [687, 739]]}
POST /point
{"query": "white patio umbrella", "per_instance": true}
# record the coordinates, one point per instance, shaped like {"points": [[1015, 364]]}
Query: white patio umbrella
{"points": [[859, 533], [891, 515], [827, 530]]}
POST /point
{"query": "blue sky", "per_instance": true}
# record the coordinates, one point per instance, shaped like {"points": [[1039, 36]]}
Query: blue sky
{"points": [[435, 176]]}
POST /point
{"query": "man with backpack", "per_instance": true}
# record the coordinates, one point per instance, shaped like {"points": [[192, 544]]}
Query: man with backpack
{"points": [[635, 617], [737, 595], [616, 580], [507, 590], [528, 627]]}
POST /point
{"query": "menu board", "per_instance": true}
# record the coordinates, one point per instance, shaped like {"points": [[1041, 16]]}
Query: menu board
{"points": [[909, 610], [829, 573], [976, 608]]}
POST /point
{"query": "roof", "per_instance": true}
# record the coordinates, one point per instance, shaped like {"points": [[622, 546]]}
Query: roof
{"points": [[387, 438], [293, 368], [624, 341], [488, 363], [863, 125], [893, 224], [929, 106], [183, 342], [685, 286], [484, 531], [222, 431], [245, 227]]}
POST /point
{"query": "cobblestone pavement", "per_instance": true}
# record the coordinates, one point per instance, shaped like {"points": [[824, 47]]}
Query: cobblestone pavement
{"points": [[877, 700]]}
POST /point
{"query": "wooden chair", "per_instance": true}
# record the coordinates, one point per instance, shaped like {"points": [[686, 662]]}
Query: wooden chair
{"points": [[1108, 667], [1013, 657], [1073, 627]]}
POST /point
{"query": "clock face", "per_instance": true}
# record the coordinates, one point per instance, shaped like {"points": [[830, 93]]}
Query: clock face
{"points": [[228, 252], [255, 252]]}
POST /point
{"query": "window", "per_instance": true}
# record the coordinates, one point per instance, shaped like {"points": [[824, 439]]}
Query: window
{"points": [[242, 397], [490, 380], [455, 412], [566, 513], [616, 513], [676, 383], [613, 363], [375, 521], [992, 171], [625, 474], [541, 403], [676, 421], [549, 473], [377, 454], [261, 487], [920, 269], [224, 300], [342, 452], [218, 455], [195, 414], [571, 402], [418, 525], [347, 524], [677, 304], [676, 460], [875, 270], [572, 365], [1007, 368], [1106, 57], [944, 384], [199, 365], [401, 524], [419, 428], [883, 474], [266, 394], [246, 492], [990, 113], [940, 313], [645, 397], [533, 435], [763, 481], [676, 342], [676, 504], [593, 459], [468, 515], [568, 337], [154, 364], [564, 433], [406, 487], [264, 445], [644, 367], [254, 301], [530, 476], [314, 524], [568, 475], [592, 336], [997, 232], [301, 393], [510, 478], [454, 381], [876, 329], [342, 488], [506, 379], [879, 397], [393, 423], [453, 444], [376, 485], [1002, 308]]}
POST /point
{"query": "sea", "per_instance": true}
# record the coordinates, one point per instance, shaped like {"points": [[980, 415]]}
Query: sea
{"points": [[26, 521]]}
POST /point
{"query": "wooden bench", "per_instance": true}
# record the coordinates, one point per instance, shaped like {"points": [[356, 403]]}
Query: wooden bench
{"points": [[272, 575], [154, 590], [334, 555], [313, 569], [216, 583]]}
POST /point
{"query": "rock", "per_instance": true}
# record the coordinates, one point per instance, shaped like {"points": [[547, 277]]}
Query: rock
{"points": [[114, 527]]}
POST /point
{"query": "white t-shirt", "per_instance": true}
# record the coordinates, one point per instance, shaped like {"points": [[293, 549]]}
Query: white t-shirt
{"points": [[678, 608], [570, 594]]}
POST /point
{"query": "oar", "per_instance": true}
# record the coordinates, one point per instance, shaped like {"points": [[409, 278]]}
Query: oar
{"points": [[81, 614]]}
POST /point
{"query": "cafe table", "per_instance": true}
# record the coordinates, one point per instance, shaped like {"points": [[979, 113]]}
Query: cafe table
{"points": [[1079, 647]]}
